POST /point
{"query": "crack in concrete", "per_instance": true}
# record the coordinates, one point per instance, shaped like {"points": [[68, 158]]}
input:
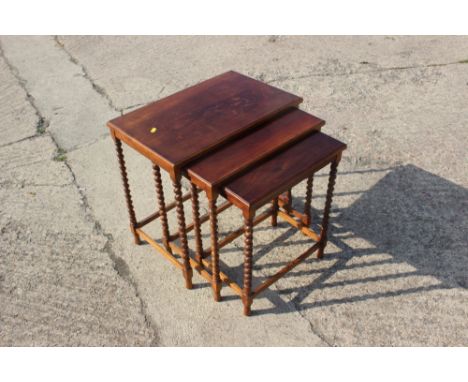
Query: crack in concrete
{"points": [[292, 304], [87, 144], [20, 140], [312, 328], [99, 89], [132, 106], [24, 184], [124, 272], [42, 123], [380, 70], [116, 261]]}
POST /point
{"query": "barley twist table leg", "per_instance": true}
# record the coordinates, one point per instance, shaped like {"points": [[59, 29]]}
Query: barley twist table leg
{"points": [[308, 200], [274, 211], [215, 282], [126, 186], [196, 224], [161, 206], [326, 211], [288, 205], [187, 269], [248, 238]]}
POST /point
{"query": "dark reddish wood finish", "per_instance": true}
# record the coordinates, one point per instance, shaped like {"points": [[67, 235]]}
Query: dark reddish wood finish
{"points": [[326, 211], [215, 282], [266, 181], [307, 203], [235, 136], [128, 195], [247, 282], [274, 211], [161, 206], [289, 200], [179, 128], [196, 223], [187, 269], [221, 165]]}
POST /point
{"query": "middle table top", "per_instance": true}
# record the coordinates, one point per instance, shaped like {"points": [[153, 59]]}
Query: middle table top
{"points": [[221, 165], [186, 125]]}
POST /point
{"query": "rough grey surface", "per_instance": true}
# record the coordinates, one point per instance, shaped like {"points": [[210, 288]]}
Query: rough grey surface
{"points": [[18, 117], [60, 90], [397, 263], [59, 282]]}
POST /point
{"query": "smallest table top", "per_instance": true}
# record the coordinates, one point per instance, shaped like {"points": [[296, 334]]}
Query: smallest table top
{"points": [[269, 179], [188, 124]]}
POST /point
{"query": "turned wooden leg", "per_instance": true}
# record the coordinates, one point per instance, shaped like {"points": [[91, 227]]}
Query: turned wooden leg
{"points": [[187, 269], [274, 211], [326, 211], [161, 206], [215, 282], [128, 196], [246, 291], [308, 200], [288, 204], [196, 224]]}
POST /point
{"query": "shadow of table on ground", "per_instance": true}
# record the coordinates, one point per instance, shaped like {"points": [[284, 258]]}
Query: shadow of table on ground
{"points": [[407, 234]]}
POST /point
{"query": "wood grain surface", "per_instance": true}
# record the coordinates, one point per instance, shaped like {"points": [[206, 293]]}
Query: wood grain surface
{"points": [[221, 165], [187, 124], [267, 180]]}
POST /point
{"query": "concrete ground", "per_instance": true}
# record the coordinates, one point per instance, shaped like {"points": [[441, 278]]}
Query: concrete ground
{"points": [[396, 269]]}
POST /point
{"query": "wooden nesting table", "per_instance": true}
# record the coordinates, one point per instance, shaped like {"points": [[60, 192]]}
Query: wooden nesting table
{"points": [[239, 138]]}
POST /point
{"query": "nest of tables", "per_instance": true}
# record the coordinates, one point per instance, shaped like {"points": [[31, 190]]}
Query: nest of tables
{"points": [[235, 137]]}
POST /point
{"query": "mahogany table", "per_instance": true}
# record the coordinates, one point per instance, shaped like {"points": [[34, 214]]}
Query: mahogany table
{"points": [[267, 181], [225, 134]]}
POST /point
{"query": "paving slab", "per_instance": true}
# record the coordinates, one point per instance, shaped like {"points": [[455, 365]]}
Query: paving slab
{"points": [[149, 67], [58, 282], [59, 88], [18, 118]]}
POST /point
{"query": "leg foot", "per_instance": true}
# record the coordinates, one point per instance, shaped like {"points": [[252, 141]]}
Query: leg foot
{"points": [[320, 252], [188, 278], [247, 310], [217, 293], [274, 216], [288, 204], [136, 237]]}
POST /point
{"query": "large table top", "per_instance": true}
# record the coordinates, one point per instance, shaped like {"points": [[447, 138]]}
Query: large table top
{"points": [[189, 124]]}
